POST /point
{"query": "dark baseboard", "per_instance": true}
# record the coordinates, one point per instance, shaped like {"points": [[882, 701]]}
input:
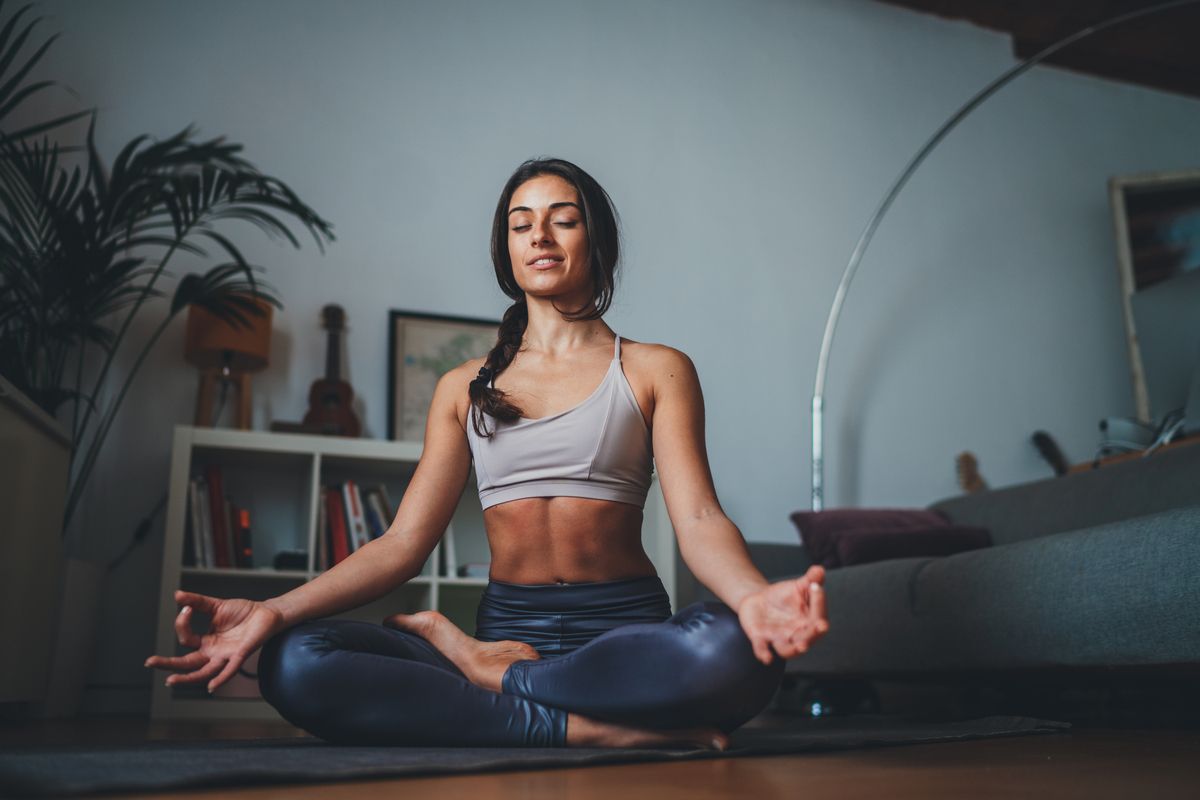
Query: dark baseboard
{"points": [[1108, 697]]}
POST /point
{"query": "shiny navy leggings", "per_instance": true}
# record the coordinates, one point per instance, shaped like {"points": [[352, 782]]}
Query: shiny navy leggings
{"points": [[609, 650]]}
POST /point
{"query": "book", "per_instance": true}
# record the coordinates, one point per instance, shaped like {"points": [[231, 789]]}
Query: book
{"points": [[206, 537], [375, 505], [217, 517], [374, 524], [389, 510], [339, 538], [197, 500], [243, 551], [355, 519]]}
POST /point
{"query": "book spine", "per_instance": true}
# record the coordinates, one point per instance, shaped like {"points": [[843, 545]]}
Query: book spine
{"points": [[216, 505], [197, 522], [245, 550], [337, 526], [206, 534], [354, 515], [371, 510], [389, 510]]}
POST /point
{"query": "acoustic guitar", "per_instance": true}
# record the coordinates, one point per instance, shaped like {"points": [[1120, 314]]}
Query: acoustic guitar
{"points": [[330, 398]]}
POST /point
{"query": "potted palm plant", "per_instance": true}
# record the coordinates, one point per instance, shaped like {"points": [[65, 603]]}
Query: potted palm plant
{"points": [[85, 249]]}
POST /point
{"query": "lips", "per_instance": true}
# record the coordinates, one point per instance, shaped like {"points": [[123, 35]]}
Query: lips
{"points": [[552, 260]]}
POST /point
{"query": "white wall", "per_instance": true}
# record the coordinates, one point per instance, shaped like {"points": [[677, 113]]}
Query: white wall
{"points": [[744, 143]]}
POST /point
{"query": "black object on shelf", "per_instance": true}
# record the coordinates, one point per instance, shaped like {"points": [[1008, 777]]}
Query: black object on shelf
{"points": [[1051, 452], [291, 559]]}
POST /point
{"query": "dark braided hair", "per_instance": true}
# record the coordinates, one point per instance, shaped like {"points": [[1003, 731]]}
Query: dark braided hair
{"points": [[600, 217]]}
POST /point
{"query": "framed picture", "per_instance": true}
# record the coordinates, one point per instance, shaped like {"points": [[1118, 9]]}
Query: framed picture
{"points": [[421, 348], [1157, 223]]}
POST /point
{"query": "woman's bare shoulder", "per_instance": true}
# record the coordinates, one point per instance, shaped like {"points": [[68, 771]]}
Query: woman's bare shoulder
{"points": [[655, 355], [657, 362], [457, 382]]}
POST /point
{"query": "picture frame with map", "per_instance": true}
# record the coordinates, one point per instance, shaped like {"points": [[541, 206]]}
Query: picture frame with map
{"points": [[421, 348]]}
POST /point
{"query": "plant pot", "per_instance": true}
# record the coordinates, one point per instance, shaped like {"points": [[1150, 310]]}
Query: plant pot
{"points": [[75, 638], [33, 486]]}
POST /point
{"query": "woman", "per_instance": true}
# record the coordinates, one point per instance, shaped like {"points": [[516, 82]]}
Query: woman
{"points": [[575, 642]]}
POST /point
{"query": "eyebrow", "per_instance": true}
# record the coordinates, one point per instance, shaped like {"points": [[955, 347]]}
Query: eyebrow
{"points": [[552, 205]]}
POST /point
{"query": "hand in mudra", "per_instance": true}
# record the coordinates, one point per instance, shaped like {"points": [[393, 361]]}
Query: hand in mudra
{"points": [[239, 627], [787, 616]]}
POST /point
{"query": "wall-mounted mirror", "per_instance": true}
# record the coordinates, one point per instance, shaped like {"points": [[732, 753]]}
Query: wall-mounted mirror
{"points": [[1157, 220]]}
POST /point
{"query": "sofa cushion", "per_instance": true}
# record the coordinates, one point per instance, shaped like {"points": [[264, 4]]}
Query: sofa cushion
{"points": [[820, 530], [864, 545], [1122, 594]]}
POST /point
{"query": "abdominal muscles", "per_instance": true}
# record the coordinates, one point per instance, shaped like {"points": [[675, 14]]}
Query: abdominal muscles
{"points": [[537, 540]]}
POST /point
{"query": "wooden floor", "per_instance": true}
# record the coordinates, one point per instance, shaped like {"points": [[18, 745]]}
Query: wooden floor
{"points": [[1083, 763]]}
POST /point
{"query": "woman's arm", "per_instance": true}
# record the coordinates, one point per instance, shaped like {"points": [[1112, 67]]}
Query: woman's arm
{"points": [[425, 511], [787, 615], [710, 544]]}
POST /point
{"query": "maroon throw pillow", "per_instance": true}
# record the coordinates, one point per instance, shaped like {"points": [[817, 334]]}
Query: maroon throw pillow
{"points": [[865, 545], [819, 530]]}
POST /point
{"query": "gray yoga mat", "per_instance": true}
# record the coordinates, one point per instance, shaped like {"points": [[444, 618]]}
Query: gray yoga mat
{"points": [[163, 765]]}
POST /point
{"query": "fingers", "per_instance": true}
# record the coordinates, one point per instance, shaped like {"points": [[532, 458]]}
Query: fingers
{"points": [[190, 661], [212, 668], [800, 587], [812, 598], [785, 649], [226, 674], [762, 650], [201, 602], [813, 624], [183, 628], [819, 614]]}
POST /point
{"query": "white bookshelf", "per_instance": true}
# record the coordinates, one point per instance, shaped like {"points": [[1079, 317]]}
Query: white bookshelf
{"points": [[277, 476]]}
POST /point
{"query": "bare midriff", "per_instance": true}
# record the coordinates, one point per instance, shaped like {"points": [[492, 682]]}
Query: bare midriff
{"points": [[565, 540]]}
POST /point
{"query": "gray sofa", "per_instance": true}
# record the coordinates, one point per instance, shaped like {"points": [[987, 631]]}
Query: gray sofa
{"points": [[1091, 569]]}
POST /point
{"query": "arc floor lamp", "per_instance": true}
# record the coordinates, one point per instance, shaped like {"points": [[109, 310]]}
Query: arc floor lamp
{"points": [[839, 297]]}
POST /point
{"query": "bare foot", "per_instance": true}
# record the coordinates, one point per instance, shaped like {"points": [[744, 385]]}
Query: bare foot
{"points": [[587, 732], [484, 663]]}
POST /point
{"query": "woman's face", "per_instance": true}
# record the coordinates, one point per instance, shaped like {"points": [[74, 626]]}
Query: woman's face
{"points": [[547, 237]]}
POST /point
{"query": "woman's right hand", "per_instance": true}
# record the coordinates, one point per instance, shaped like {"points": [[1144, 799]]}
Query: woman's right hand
{"points": [[239, 627]]}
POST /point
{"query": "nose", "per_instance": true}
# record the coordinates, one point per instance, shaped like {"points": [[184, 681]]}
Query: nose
{"points": [[539, 232]]}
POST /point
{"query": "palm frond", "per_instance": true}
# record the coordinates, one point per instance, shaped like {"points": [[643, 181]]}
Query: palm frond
{"points": [[14, 70]]}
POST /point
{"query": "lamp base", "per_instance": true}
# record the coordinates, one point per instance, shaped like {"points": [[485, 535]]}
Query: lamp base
{"points": [[210, 380]]}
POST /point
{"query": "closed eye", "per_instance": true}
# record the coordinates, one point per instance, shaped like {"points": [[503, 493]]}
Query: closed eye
{"points": [[563, 224]]}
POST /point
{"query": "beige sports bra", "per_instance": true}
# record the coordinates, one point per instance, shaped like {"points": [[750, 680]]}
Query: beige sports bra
{"points": [[599, 448]]}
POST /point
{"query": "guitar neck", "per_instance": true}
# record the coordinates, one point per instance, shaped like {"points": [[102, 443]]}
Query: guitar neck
{"points": [[333, 354]]}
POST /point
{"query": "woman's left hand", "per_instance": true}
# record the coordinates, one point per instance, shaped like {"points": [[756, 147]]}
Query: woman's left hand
{"points": [[787, 616]]}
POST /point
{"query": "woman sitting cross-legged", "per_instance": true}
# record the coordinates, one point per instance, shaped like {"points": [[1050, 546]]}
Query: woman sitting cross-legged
{"points": [[575, 641]]}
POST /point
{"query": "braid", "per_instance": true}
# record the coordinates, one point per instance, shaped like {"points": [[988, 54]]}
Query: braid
{"points": [[490, 400]]}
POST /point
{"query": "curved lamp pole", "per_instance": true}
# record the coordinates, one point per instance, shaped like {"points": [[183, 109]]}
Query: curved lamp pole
{"points": [[839, 297]]}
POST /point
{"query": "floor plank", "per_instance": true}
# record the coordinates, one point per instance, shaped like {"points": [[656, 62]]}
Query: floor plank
{"points": [[1082, 763]]}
